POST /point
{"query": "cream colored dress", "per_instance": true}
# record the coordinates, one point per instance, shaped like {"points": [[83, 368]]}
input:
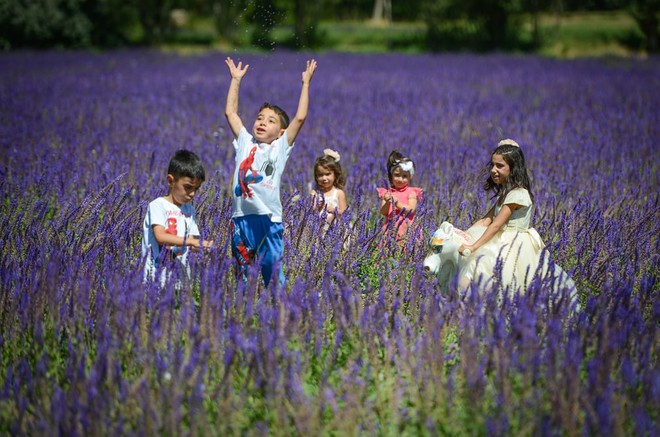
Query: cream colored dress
{"points": [[332, 199], [512, 257]]}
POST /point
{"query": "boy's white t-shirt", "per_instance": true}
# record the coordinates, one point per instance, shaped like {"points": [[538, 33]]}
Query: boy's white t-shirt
{"points": [[260, 166], [180, 221]]}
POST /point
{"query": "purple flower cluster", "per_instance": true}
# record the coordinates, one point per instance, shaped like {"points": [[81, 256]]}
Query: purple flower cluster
{"points": [[358, 341]]}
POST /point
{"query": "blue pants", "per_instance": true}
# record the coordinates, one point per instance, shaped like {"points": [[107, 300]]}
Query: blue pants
{"points": [[255, 236]]}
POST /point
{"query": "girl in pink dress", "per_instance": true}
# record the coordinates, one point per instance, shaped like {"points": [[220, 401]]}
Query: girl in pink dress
{"points": [[398, 202]]}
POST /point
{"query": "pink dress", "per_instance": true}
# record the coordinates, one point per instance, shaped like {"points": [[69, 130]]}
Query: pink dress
{"points": [[403, 222]]}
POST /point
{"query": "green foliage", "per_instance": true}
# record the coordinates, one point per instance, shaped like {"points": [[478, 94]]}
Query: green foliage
{"points": [[647, 15], [306, 19], [472, 24], [227, 18], [43, 23], [66, 23], [369, 272], [449, 25], [264, 15]]}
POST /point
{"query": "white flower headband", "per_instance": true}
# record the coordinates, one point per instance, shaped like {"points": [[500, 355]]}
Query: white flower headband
{"points": [[508, 142], [406, 166], [332, 154]]}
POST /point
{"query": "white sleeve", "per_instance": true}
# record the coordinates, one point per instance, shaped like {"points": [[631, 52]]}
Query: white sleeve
{"points": [[518, 196], [157, 214], [244, 138], [284, 149]]}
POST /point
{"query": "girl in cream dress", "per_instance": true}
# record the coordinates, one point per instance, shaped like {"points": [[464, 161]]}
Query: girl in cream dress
{"points": [[509, 251]]}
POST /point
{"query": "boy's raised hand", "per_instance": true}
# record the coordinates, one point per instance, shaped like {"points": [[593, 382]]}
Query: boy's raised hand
{"points": [[309, 71], [237, 71]]}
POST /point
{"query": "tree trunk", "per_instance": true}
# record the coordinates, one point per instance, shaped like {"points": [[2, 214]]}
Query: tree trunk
{"points": [[306, 21], [382, 11], [645, 13], [225, 15]]}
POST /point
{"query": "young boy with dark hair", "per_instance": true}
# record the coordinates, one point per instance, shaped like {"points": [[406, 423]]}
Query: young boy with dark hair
{"points": [[260, 159], [170, 226]]}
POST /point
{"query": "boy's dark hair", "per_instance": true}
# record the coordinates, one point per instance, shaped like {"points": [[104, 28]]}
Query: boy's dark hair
{"points": [[186, 163], [518, 177], [393, 161], [334, 166], [284, 119]]}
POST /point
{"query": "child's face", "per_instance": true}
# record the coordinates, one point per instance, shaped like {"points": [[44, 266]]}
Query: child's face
{"points": [[325, 178], [400, 178], [499, 169], [182, 190], [267, 127]]}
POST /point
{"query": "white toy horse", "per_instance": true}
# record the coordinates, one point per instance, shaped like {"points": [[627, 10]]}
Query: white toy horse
{"points": [[444, 261]]}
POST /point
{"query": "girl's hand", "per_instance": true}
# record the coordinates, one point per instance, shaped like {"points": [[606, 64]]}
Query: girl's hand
{"points": [[387, 197], [466, 249], [318, 200], [236, 71]]}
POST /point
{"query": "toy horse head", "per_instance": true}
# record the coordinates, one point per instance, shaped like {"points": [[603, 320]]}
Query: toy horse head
{"points": [[444, 261]]}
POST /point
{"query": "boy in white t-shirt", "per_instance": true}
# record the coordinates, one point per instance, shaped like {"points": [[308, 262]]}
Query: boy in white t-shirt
{"points": [[260, 159], [170, 226]]}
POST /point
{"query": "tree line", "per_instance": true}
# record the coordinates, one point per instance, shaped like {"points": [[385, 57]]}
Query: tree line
{"points": [[450, 24]]}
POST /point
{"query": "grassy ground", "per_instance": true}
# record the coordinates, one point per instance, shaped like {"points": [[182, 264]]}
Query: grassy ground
{"points": [[589, 34], [565, 36]]}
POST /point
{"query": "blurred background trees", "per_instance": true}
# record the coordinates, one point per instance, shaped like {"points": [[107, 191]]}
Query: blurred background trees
{"points": [[448, 24]]}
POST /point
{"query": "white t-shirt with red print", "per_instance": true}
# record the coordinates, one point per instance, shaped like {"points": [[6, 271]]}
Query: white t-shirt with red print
{"points": [[180, 221], [258, 176]]}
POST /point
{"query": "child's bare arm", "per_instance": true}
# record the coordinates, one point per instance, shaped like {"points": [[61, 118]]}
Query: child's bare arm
{"points": [[163, 237], [384, 207], [385, 202], [231, 109], [492, 228], [342, 204], [487, 219], [303, 103], [201, 243]]}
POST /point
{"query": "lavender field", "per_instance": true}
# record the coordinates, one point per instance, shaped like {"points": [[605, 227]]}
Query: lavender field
{"points": [[358, 341]]}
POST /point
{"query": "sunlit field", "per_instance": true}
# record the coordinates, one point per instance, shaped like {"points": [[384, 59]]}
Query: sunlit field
{"points": [[358, 341]]}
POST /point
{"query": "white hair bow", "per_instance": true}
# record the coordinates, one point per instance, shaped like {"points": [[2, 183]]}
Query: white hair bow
{"points": [[508, 142], [408, 167], [331, 153]]}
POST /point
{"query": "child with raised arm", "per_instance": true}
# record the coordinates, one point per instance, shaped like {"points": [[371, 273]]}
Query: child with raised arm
{"points": [[398, 202], [170, 225], [329, 195], [260, 159]]}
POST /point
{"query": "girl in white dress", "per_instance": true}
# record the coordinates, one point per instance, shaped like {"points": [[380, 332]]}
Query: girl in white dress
{"points": [[509, 250], [329, 195]]}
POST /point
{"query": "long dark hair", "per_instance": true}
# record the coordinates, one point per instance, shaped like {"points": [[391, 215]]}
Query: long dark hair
{"points": [[518, 177]]}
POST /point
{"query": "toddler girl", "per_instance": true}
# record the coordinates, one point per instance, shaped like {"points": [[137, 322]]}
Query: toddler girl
{"points": [[329, 195], [399, 201]]}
